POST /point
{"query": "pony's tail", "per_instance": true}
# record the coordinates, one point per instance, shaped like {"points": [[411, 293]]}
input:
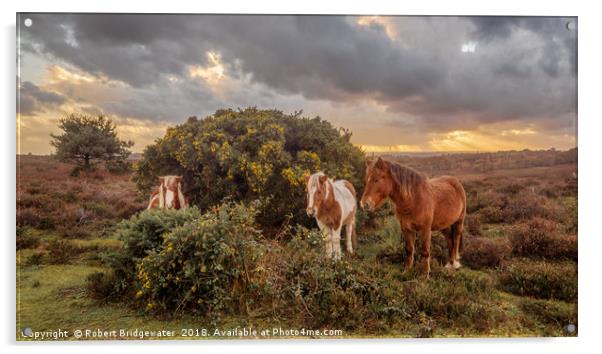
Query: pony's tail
{"points": [[461, 248]]}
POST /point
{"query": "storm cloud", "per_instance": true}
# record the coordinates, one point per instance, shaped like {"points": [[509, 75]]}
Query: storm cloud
{"points": [[430, 73], [32, 99]]}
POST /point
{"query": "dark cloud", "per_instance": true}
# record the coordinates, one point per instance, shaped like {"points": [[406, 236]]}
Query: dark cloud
{"points": [[522, 68], [35, 99]]}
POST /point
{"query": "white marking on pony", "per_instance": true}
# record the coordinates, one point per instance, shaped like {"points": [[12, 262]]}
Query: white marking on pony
{"points": [[345, 200], [169, 198], [312, 183], [183, 204], [168, 190], [162, 195]]}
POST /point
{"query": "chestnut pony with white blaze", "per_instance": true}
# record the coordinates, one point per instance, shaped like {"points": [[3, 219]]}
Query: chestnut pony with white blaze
{"points": [[333, 204], [169, 194], [422, 205]]}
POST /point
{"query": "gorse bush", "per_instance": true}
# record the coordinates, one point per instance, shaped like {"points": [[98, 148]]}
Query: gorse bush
{"points": [[251, 154], [142, 234], [209, 265]]}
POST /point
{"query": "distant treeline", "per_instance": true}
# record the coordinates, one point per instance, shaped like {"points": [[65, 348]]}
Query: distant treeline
{"points": [[489, 161]]}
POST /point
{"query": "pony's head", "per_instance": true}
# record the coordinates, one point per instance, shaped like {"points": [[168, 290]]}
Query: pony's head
{"points": [[170, 192], [378, 184], [317, 191]]}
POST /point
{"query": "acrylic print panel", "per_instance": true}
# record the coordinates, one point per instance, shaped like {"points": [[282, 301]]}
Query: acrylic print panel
{"points": [[262, 177]]}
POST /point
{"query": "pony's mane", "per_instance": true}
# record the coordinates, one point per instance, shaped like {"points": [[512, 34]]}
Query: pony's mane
{"points": [[407, 178]]}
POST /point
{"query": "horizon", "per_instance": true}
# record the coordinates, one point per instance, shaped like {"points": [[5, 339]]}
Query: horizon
{"points": [[385, 153], [399, 84]]}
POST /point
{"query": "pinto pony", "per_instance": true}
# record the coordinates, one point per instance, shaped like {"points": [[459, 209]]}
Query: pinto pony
{"points": [[422, 205], [169, 194], [333, 204]]}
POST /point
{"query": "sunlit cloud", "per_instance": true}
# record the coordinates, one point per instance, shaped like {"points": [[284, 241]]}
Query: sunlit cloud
{"points": [[390, 148], [383, 21], [494, 137], [212, 73], [57, 73], [526, 131]]}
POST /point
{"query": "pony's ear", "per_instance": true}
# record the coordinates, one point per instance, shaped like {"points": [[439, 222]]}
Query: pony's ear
{"points": [[323, 178], [178, 178], [379, 162], [161, 179]]}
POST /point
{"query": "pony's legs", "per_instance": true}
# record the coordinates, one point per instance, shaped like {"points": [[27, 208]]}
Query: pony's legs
{"points": [[409, 240], [329, 244], [458, 230], [448, 233], [425, 238], [348, 239], [336, 242], [327, 233]]}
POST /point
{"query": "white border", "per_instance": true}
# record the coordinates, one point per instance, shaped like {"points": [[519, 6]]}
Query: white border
{"points": [[589, 171]]}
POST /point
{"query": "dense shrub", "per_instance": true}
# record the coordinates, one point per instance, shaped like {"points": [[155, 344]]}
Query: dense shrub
{"points": [[61, 251], [141, 234], [541, 279], [119, 167], [209, 266], [492, 214], [319, 292], [472, 225], [251, 154], [480, 252], [101, 286], [510, 188], [35, 218], [542, 238], [218, 263], [525, 206], [479, 200]]}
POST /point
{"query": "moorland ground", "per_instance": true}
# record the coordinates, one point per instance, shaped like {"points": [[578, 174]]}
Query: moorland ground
{"points": [[520, 252]]}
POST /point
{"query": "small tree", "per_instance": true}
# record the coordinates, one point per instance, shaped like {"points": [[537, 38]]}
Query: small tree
{"points": [[88, 140]]}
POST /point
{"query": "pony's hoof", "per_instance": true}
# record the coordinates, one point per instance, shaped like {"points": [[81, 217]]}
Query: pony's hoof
{"points": [[456, 265], [448, 265]]}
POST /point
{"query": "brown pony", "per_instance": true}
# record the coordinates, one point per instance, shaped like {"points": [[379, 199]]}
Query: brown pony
{"points": [[422, 205]]}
